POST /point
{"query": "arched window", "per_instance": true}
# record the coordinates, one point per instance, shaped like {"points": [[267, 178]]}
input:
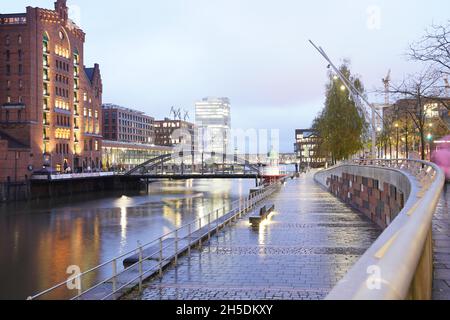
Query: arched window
{"points": [[19, 39]]}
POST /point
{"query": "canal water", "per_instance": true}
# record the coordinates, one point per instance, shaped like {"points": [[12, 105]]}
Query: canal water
{"points": [[38, 241]]}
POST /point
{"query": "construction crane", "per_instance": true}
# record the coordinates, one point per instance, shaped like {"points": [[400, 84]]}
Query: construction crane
{"points": [[387, 83], [186, 115], [173, 112], [176, 113]]}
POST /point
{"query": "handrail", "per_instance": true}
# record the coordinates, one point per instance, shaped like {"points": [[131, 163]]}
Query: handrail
{"points": [[388, 268], [236, 208]]}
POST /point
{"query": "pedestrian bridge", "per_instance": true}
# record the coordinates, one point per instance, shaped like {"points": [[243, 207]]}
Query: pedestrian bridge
{"points": [[196, 164], [355, 231]]}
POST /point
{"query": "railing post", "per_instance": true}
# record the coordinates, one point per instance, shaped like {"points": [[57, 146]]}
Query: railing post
{"points": [[80, 285], [199, 227], [176, 246], [189, 241], [114, 271], [160, 256], [140, 269], [217, 220], [209, 226]]}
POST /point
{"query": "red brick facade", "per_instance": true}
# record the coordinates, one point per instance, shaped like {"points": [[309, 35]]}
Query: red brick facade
{"points": [[15, 160], [49, 101], [379, 203]]}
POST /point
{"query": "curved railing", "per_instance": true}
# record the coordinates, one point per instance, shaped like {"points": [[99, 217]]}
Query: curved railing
{"points": [[399, 265]]}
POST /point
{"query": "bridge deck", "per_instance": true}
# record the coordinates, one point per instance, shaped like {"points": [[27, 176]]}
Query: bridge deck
{"points": [[309, 244], [441, 237], [194, 176]]}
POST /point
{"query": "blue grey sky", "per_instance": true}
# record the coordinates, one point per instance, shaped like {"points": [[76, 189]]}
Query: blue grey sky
{"points": [[155, 54]]}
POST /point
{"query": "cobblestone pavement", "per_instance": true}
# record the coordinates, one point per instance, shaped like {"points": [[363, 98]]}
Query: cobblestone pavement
{"points": [[309, 244], [441, 237]]}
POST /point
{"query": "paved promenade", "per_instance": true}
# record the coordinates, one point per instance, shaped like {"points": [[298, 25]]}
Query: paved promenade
{"points": [[441, 237], [309, 244]]}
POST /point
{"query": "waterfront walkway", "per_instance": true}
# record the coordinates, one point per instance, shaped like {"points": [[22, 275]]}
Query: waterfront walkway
{"points": [[309, 244], [441, 237]]}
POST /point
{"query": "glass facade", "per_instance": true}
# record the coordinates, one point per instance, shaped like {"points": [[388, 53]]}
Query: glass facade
{"points": [[120, 156], [213, 119]]}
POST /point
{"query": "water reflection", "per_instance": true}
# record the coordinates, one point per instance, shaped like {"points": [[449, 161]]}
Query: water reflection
{"points": [[39, 241]]}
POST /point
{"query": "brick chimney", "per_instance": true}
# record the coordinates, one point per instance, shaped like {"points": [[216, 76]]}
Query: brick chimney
{"points": [[61, 8]]}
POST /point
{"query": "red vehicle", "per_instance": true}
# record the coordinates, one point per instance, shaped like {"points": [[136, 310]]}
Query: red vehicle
{"points": [[442, 155]]}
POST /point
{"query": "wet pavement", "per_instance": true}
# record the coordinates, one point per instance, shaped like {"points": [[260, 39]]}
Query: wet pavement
{"points": [[441, 238], [308, 244]]}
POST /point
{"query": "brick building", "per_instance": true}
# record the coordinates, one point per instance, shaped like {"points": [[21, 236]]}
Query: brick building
{"points": [[173, 132], [127, 125], [49, 102]]}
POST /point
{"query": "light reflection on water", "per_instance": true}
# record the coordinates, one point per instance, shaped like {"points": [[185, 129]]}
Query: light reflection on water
{"points": [[39, 241]]}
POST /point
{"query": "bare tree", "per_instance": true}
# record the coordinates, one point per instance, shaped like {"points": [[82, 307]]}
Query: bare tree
{"points": [[415, 93], [434, 49]]}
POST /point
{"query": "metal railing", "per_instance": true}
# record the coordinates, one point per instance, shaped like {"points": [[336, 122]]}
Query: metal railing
{"points": [[110, 281], [399, 264]]}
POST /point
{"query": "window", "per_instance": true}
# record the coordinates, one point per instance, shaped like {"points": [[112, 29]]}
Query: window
{"points": [[19, 53], [7, 40], [8, 84], [8, 55], [19, 39], [8, 70], [19, 115], [20, 69], [8, 99], [20, 84]]}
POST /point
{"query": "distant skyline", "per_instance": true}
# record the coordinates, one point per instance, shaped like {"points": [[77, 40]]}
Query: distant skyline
{"points": [[158, 54]]}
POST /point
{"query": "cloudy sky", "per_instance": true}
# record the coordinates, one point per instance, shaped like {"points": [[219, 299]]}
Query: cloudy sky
{"points": [[158, 53]]}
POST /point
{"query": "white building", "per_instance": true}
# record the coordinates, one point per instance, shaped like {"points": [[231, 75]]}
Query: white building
{"points": [[213, 120]]}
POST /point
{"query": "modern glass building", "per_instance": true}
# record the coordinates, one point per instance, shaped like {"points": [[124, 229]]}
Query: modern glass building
{"points": [[213, 120]]}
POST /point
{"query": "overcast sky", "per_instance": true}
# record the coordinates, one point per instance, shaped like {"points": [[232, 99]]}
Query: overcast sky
{"points": [[157, 53]]}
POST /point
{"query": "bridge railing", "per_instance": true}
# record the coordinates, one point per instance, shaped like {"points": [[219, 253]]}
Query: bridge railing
{"points": [[399, 265], [111, 279]]}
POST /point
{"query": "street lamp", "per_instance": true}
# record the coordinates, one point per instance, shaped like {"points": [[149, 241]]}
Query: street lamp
{"points": [[356, 94], [397, 145]]}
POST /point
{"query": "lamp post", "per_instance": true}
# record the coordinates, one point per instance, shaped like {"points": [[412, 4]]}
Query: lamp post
{"points": [[397, 139], [358, 97]]}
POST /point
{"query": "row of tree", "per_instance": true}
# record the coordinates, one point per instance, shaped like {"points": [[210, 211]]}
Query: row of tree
{"points": [[342, 125]]}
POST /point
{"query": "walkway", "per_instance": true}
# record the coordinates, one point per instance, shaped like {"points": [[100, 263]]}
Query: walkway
{"points": [[309, 244], [441, 237]]}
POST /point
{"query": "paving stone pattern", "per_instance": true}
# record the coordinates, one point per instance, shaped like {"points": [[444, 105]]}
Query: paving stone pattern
{"points": [[309, 244], [441, 237]]}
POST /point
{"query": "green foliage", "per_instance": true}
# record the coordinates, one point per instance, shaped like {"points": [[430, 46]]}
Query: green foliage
{"points": [[341, 124]]}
